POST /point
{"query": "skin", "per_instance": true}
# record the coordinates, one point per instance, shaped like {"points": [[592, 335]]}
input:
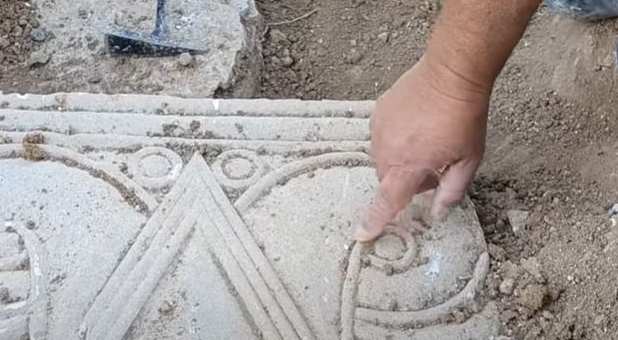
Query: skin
{"points": [[428, 131]]}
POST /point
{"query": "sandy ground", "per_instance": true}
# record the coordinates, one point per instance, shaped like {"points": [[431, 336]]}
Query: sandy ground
{"points": [[552, 154]]}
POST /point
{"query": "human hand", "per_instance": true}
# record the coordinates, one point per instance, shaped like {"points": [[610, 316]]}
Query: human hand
{"points": [[428, 131]]}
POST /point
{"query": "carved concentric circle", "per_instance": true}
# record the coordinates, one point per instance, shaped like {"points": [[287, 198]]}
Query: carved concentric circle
{"points": [[396, 250], [238, 169], [155, 167]]}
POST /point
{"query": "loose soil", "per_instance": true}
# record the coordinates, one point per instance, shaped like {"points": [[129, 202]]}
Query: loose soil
{"points": [[552, 146]]}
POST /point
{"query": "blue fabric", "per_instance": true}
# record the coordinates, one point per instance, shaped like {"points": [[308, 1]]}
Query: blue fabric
{"points": [[586, 9]]}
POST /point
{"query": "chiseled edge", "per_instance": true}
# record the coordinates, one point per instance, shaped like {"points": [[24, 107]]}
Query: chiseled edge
{"points": [[271, 128], [168, 105]]}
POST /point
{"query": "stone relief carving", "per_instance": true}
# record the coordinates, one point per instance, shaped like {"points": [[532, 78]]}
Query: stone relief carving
{"points": [[281, 247]]}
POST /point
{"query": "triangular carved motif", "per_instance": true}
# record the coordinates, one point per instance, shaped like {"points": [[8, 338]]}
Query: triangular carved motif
{"points": [[195, 204]]}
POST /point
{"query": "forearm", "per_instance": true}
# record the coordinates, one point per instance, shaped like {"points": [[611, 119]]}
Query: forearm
{"points": [[473, 39]]}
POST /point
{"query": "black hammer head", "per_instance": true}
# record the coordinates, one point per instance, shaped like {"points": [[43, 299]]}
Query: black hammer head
{"points": [[149, 45]]}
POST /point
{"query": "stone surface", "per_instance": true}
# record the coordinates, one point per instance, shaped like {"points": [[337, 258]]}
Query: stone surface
{"points": [[163, 218], [228, 30]]}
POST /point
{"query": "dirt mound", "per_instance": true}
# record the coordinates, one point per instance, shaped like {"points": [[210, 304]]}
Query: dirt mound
{"points": [[17, 23]]}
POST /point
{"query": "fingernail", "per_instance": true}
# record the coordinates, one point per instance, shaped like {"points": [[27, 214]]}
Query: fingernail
{"points": [[365, 233]]}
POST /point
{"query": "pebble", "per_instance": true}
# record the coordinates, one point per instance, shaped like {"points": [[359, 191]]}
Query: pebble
{"points": [[507, 286], [95, 79], [510, 270], [4, 295], [533, 297], [278, 37], [599, 319], [18, 31], [166, 307], [532, 266], [39, 58], [287, 61], [38, 35], [518, 219], [384, 37], [82, 13], [547, 315], [354, 57], [185, 60], [4, 43], [496, 252]]}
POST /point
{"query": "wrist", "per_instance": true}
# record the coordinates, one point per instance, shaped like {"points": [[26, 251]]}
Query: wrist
{"points": [[454, 81]]}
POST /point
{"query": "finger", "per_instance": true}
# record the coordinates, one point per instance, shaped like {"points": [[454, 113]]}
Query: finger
{"points": [[394, 193], [452, 187]]}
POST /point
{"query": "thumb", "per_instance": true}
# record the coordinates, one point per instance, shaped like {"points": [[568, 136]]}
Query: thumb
{"points": [[395, 192], [452, 187]]}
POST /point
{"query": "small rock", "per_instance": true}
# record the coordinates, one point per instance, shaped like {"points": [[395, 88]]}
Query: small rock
{"points": [[4, 43], [547, 315], [384, 37], [532, 266], [599, 319], [507, 286], [18, 31], [508, 315], [275, 60], [5, 297], [533, 333], [287, 61], [496, 252], [95, 79], [278, 37], [166, 308], [82, 13], [38, 35], [510, 270], [185, 60], [613, 210], [354, 57], [31, 225], [458, 316], [518, 219], [39, 58], [534, 297]]}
